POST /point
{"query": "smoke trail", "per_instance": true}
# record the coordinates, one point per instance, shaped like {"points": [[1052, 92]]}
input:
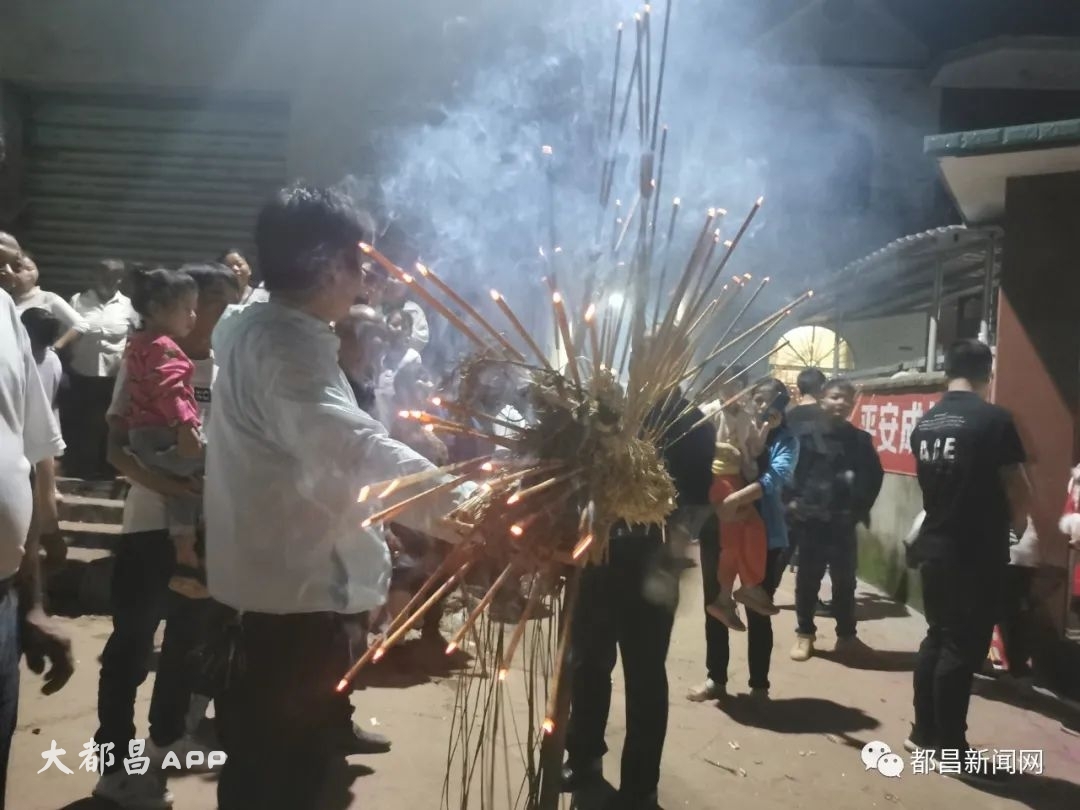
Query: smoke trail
{"points": [[471, 190]]}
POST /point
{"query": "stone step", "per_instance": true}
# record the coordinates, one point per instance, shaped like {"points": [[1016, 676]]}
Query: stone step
{"points": [[114, 490], [90, 509]]}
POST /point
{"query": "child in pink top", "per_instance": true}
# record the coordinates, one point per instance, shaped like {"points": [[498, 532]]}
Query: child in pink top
{"points": [[162, 417]]}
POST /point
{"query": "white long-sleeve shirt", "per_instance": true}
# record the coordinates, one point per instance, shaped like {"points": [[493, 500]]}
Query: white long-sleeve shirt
{"points": [[288, 451], [99, 351]]}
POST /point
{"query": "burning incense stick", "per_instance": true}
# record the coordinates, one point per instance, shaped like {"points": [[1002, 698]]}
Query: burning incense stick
{"points": [[448, 563], [432, 600], [434, 302], [450, 293], [735, 242], [594, 342], [735, 321], [520, 328], [479, 609], [519, 631], [572, 590], [415, 478], [663, 66], [564, 329], [393, 511]]}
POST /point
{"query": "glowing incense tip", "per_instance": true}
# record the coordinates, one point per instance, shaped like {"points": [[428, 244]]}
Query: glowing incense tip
{"points": [[618, 27], [760, 200], [407, 278], [364, 246], [582, 546], [436, 401], [810, 294], [556, 297], [365, 523], [495, 296], [422, 270], [590, 313], [389, 488], [451, 648], [379, 653], [429, 428], [711, 212], [403, 414], [728, 243], [549, 726], [637, 16], [765, 280], [677, 201], [546, 150], [647, 9], [747, 276], [415, 414], [511, 501], [558, 249], [365, 491], [721, 212], [517, 530], [502, 674], [342, 685], [487, 466], [542, 254]]}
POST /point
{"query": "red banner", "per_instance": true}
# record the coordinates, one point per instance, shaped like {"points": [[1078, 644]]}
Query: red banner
{"points": [[890, 418]]}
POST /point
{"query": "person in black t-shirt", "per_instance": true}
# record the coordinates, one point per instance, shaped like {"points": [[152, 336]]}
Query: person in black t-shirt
{"points": [[811, 384], [969, 458]]}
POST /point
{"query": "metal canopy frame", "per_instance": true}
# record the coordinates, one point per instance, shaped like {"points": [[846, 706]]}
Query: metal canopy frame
{"points": [[916, 273]]}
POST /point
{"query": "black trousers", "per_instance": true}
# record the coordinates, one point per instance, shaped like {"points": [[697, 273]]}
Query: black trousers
{"points": [[277, 706], [962, 605], [1017, 625], [618, 611], [822, 546], [140, 600], [82, 414], [10, 653], [758, 628]]}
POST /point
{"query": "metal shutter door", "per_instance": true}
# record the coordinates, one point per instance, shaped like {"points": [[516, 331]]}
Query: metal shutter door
{"points": [[158, 181]]}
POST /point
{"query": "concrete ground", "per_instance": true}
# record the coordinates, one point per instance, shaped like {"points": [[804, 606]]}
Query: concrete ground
{"points": [[801, 750]]}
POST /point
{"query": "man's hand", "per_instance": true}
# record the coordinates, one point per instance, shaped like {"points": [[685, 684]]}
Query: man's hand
{"points": [[188, 442], [173, 487], [41, 640]]}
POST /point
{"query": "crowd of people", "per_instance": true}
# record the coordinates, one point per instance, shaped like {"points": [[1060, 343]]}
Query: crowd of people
{"points": [[247, 416]]}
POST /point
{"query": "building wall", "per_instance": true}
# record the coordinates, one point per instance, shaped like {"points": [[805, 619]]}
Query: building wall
{"points": [[886, 341], [344, 69]]}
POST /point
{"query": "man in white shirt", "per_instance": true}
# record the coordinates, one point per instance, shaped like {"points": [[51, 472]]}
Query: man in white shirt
{"points": [[29, 439], [395, 295], [143, 563], [288, 452], [95, 358]]}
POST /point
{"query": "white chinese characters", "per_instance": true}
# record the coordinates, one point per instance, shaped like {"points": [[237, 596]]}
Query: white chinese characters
{"points": [[99, 757]]}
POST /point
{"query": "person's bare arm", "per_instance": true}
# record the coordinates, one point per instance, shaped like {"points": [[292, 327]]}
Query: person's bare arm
{"points": [[45, 495], [41, 638], [129, 466], [1018, 492], [69, 337]]}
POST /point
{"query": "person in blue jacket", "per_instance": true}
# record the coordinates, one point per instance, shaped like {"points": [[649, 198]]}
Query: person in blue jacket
{"points": [[777, 468]]}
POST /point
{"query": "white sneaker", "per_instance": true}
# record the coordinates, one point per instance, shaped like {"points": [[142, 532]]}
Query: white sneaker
{"points": [[134, 791], [803, 649], [181, 748]]}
